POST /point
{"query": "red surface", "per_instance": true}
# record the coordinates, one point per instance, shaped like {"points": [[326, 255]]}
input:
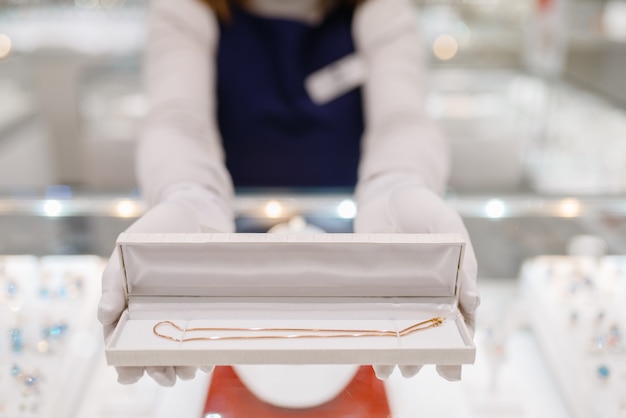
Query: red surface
{"points": [[364, 397], [545, 4]]}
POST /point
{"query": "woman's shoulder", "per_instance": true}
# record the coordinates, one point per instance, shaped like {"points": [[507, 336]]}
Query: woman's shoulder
{"points": [[190, 15], [376, 20]]}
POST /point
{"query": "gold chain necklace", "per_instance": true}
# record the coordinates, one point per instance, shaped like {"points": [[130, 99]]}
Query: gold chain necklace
{"points": [[301, 332]]}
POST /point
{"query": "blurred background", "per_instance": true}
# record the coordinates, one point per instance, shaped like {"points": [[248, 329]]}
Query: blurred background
{"points": [[531, 94]]}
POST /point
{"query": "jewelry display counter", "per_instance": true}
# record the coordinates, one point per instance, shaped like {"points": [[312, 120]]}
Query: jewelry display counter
{"points": [[47, 306], [508, 130], [576, 309], [509, 379], [18, 106], [514, 375], [23, 135]]}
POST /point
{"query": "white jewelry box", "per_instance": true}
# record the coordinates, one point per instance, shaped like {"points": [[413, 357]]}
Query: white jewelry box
{"points": [[259, 284]]}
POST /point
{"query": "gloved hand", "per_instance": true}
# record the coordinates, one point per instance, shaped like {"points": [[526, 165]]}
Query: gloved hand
{"points": [[182, 211], [415, 209]]}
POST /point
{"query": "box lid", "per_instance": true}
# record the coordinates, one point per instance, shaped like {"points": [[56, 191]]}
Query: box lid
{"points": [[293, 265]]}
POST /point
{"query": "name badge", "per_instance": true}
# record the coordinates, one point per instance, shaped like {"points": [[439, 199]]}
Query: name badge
{"points": [[336, 79]]}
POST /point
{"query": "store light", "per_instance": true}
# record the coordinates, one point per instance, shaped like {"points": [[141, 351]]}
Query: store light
{"points": [[346, 209], [273, 209], [445, 47], [5, 45], [495, 208], [569, 208], [126, 208], [212, 415], [52, 208]]}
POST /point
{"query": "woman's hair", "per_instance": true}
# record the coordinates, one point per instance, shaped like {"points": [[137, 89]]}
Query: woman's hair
{"points": [[222, 9]]}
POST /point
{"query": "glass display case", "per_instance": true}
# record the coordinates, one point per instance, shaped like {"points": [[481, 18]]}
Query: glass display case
{"points": [[76, 233], [23, 135]]}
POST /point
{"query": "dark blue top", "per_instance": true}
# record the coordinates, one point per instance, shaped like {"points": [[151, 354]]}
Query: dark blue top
{"points": [[273, 134]]}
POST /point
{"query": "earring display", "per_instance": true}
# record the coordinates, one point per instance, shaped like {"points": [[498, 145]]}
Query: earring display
{"points": [[576, 311], [46, 306]]}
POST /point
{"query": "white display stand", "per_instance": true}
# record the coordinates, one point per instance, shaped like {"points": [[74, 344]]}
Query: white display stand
{"points": [[575, 306], [48, 312]]}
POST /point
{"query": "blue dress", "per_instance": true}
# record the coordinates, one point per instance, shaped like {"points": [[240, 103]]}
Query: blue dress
{"points": [[273, 134]]}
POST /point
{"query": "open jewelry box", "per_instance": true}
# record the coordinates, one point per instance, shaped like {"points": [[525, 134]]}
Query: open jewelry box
{"points": [[290, 299]]}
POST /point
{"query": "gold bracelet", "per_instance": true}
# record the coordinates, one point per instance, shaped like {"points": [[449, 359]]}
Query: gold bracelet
{"points": [[305, 332]]}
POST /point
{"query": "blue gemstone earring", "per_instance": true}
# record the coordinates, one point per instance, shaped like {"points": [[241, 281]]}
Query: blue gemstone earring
{"points": [[30, 381], [17, 343], [603, 372], [54, 331]]}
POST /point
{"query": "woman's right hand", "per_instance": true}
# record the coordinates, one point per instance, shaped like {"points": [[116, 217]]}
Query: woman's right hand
{"points": [[184, 210]]}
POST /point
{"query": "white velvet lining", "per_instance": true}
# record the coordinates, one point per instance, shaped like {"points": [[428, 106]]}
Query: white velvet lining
{"points": [[291, 265], [138, 335], [136, 343]]}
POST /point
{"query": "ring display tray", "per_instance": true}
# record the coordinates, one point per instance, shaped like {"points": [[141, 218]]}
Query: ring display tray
{"points": [[576, 313], [50, 339], [290, 299]]}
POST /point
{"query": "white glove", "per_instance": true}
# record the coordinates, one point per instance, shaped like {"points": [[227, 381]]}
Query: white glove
{"points": [[182, 211], [415, 209]]}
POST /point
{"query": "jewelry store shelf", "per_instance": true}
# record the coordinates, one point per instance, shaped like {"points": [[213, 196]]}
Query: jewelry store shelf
{"points": [[505, 229], [252, 205]]}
